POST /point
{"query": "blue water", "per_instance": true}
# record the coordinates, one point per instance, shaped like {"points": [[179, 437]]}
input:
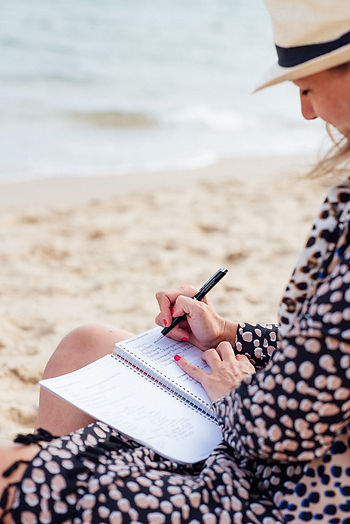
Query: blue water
{"points": [[113, 86]]}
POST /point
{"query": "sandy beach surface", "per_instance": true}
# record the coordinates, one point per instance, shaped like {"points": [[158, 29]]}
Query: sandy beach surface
{"points": [[81, 250]]}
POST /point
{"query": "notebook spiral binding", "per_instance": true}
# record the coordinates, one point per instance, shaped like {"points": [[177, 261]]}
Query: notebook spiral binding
{"points": [[159, 380]]}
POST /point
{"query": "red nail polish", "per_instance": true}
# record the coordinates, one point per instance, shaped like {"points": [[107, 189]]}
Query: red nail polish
{"points": [[185, 339], [164, 322], [172, 310], [177, 358]]}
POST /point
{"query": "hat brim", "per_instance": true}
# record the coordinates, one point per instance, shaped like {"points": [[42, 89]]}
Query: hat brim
{"points": [[277, 74]]}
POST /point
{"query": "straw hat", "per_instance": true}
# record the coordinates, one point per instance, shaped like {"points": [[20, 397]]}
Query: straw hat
{"points": [[310, 36]]}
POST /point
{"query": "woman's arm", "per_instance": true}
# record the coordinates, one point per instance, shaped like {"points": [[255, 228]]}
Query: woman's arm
{"points": [[257, 342], [293, 408]]}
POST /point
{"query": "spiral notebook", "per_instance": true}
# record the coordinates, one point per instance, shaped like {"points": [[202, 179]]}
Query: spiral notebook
{"points": [[141, 391]]}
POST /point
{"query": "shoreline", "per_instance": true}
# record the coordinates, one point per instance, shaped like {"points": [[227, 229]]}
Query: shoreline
{"points": [[67, 191]]}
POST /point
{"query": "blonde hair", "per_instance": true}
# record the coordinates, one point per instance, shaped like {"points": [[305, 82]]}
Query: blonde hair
{"points": [[336, 161]]}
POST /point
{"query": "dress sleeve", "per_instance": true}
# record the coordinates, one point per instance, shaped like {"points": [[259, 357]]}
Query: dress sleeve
{"points": [[293, 408], [257, 342]]}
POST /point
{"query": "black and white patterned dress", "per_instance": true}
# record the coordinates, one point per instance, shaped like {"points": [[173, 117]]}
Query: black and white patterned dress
{"points": [[285, 454]]}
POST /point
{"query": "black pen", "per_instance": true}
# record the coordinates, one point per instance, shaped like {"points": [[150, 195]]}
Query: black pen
{"points": [[198, 296]]}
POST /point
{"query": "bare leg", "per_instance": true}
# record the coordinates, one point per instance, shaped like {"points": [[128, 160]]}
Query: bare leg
{"points": [[10, 453], [78, 348]]}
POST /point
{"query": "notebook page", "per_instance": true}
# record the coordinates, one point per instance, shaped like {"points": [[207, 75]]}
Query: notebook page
{"points": [[159, 352], [109, 391]]}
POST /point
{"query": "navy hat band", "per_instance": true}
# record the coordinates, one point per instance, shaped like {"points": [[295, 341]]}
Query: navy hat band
{"points": [[293, 56]]}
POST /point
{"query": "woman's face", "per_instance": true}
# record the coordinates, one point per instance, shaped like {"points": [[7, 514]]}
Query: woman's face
{"points": [[326, 95]]}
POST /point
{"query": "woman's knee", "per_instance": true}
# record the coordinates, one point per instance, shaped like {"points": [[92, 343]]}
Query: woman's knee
{"points": [[93, 339], [82, 346]]}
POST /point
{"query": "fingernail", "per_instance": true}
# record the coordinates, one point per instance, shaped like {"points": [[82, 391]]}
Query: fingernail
{"points": [[164, 322], [177, 358], [185, 339]]}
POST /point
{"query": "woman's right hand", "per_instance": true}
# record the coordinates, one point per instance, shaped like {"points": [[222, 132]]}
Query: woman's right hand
{"points": [[203, 327]]}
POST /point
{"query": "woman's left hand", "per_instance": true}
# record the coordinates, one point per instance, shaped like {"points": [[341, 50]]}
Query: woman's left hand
{"points": [[227, 370]]}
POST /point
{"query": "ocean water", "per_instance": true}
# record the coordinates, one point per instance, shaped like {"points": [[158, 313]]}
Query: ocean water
{"points": [[114, 86]]}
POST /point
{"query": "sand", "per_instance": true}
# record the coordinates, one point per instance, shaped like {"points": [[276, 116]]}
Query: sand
{"points": [[81, 250]]}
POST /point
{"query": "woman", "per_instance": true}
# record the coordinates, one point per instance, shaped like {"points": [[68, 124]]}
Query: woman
{"points": [[285, 419]]}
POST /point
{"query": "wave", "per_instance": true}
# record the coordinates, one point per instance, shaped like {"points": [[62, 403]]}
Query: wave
{"points": [[206, 115]]}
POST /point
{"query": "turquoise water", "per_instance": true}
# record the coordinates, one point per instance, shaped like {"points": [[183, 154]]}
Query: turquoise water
{"points": [[110, 87]]}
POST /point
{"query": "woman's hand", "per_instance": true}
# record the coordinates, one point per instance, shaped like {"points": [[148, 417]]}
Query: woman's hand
{"points": [[203, 327], [227, 370]]}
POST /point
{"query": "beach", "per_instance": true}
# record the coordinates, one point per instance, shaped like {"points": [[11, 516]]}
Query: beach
{"points": [[76, 250]]}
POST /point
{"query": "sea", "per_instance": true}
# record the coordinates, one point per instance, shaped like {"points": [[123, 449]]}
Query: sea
{"points": [[93, 87]]}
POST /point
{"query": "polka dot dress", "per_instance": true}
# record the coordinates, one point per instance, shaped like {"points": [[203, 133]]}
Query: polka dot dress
{"points": [[285, 454], [97, 475]]}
